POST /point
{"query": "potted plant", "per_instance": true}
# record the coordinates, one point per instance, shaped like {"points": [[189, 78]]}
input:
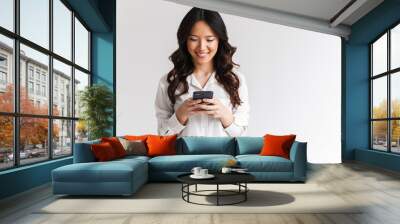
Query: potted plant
{"points": [[96, 102]]}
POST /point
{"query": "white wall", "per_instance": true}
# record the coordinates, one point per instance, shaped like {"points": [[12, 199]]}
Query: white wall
{"points": [[293, 75]]}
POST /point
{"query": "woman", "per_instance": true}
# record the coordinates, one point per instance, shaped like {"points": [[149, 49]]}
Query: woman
{"points": [[203, 61]]}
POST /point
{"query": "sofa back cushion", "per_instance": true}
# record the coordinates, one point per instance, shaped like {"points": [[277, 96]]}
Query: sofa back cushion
{"points": [[196, 145], [249, 145], [83, 152]]}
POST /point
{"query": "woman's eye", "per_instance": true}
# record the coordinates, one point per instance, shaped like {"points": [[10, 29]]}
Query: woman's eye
{"points": [[209, 40], [192, 39]]}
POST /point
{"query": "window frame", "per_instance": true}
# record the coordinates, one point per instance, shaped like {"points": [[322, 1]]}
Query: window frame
{"points": [[16, 115], [388, 74]]}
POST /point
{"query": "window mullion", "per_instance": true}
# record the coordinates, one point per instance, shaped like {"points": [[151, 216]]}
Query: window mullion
{"points": [[389, 95], [73, 82], [50, 87], [371, 98], [16, 83]]}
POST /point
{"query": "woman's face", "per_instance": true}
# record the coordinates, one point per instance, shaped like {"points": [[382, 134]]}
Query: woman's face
{"points": [[202, 43]]}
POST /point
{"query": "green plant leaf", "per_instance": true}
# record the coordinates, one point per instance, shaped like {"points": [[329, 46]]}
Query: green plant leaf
{"points": [[97, 103]]}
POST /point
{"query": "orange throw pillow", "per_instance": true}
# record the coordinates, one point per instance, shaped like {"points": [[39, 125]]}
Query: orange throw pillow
{"points": [[277, 145], [136, 137], [161, 145], [116, 145], [103, 152]]}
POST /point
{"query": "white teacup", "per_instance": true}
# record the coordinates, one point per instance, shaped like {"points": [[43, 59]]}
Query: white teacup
{"points": [[196, 170], [203, 172], [226, 170]]}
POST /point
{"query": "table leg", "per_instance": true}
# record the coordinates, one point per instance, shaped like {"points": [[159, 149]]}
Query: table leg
{"points": [[188, 190], [245, 193], [217, 194]]}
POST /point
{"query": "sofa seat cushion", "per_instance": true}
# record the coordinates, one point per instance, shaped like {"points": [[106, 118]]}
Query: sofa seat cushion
{"points": [[133, 158], [112, 171], [257, 163], [185, 163]]}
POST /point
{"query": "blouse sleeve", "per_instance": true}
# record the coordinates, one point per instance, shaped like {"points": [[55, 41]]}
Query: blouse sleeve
{"points": [[167, 122], [241, 112]]}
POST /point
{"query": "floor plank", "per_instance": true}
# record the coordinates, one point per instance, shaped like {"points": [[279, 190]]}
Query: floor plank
{"points": [[376, 189]]}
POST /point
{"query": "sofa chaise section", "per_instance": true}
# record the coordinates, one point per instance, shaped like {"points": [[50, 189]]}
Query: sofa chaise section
{"points": [[87, 177], [101, 178]]}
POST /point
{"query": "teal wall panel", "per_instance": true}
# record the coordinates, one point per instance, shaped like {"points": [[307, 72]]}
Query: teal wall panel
{"points": [[357, 99], [376, 158], [102, 59], [24, 178]]}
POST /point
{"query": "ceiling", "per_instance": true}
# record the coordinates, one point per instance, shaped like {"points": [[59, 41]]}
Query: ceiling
{"points": [[327, 16]]}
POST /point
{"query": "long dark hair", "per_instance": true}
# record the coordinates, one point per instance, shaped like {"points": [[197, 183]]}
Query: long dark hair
{"points": [[223, 64]]}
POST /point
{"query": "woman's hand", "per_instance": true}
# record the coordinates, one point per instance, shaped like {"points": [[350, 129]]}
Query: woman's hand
{"points": [[186, 109], [214, 108]]}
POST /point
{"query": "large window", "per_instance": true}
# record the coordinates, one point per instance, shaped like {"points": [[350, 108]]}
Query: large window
{"points": [[44, 64], [385, 91]]}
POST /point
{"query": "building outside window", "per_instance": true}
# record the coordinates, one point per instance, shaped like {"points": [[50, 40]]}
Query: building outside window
{"points": [[30, 87], [3, 81], [43, 90], [3, 78], [3, 72], [3, 61], [55, 96], [30, 72], [38, 89], [37, 75], [44, 77]]}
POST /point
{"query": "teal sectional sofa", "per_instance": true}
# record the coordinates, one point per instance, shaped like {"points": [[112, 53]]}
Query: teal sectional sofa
{"points": [[125, 176]]}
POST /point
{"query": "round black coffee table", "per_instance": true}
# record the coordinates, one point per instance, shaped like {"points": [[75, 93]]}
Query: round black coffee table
{"points": [[238, 179]]}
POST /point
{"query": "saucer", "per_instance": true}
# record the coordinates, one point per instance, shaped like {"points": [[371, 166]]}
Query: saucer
{"points": [[208, 176]]}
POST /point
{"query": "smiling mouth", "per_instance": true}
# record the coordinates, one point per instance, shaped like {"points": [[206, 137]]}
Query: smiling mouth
{"points": [[201, 55]]}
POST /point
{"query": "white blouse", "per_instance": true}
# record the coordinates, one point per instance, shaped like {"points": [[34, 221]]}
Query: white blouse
{"points": [[201, 124]]}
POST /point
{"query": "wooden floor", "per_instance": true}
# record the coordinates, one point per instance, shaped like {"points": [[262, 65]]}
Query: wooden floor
{"points": [[377, 188]]}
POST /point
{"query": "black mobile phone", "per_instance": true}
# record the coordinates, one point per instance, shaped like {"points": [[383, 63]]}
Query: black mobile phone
{"points": [[198, 95]]}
